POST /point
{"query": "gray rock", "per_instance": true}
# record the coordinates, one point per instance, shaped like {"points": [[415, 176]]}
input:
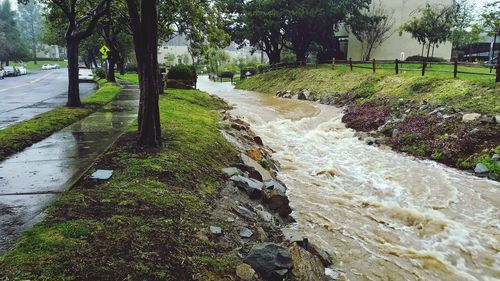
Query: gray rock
{"points": [[395, 133], [331, 275], [275, 185], [470, 117], [215, 230], [423, 105], [270, 260], [255, 165], [251, 186], [245, 212], [497, 119], [266, 216], [258, 140], [231, 171], [495, 157], [481, 169], [245, 232], [370, 141], [277, 201]]}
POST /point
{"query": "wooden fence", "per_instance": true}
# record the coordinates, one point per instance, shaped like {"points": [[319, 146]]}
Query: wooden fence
{"points": [[374, 65]]}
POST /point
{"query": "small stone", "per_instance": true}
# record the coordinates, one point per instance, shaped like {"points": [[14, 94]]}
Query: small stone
{"points": [[258, 140], [245, 212], [275, 185], [252, 187], [245, 232], [395, 133], [370, 141], [245, 272], [266, 216], [215, 230], [470, 117], [261, 234], [423, 105], [481, 169], [254, 153], [231, 171], [102, 175], [331, 275], [495, 157]]}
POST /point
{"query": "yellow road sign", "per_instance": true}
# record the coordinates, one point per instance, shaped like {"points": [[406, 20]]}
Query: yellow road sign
{"points": [[104, 50], [105, 57]]}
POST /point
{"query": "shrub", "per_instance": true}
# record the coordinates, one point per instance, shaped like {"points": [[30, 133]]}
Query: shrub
{"points": [[421, 58], [100, 73], [226, 74], [248, 71], [182, 72], [263, 68]]}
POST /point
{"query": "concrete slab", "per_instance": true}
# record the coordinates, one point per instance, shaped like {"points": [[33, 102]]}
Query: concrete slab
{"points": [[30, 180]]}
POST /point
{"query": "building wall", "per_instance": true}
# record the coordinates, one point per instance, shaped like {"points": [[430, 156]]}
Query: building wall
{"points": [[401, 11]]}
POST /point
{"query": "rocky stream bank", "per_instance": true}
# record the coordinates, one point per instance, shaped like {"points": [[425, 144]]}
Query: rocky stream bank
{"points": [[466, 140], [252, 209]]}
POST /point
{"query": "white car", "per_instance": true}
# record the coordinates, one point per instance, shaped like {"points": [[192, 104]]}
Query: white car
{"points": [[22, 70], [85, 75], [55, 66], [46, 67]]}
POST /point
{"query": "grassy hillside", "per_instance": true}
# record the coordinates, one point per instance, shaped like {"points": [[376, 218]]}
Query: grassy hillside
{"points": [[481, 96]]}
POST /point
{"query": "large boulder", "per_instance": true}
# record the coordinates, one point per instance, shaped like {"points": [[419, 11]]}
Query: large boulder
{"points": [[481, 169], [249, 162], [306, 266], [251, 186], [270, 260], [276, 201]]}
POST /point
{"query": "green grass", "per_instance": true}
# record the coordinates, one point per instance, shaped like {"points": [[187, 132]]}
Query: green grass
{"points": [[19, 136], [129, 77], [475, 95], [142, 223], [30, 65]]}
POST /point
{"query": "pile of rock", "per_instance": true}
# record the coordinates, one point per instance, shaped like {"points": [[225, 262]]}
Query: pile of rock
{"points": [[302, 94]]}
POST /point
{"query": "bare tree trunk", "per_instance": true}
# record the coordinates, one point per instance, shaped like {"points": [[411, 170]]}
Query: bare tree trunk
{"points": [[110, 73], [73, 86], [145, 33]]}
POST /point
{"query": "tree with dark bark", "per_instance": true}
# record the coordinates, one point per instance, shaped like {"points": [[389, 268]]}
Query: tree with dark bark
{"points": [[261, 25], [144, 25], [81, 18], [372, 29]]}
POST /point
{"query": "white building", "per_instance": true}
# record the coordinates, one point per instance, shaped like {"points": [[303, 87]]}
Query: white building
{"points": [[395, 45]]}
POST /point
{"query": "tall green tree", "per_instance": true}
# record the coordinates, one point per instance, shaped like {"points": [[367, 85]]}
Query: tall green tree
{"points": [[372, 29], [30, 24], [491, 23], [260, 23], [80, 19], [465, 31], [432, 27], [12, 46]]}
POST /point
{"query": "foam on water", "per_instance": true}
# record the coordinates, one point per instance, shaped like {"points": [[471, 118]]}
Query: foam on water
{"points": [[383, 216]]}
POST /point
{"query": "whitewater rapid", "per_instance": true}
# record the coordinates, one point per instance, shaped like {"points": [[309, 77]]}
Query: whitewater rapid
{"points": [[383, 216]]}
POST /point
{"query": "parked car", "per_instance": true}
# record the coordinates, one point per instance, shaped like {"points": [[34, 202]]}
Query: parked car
{"points": [[46, 67], [55, 66], [11, 71], [85, 75], [22, 70], [2, 73], [493, 61]]}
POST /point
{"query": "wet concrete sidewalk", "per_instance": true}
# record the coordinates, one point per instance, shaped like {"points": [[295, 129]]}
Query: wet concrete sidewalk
{"points": [[33, 178]]}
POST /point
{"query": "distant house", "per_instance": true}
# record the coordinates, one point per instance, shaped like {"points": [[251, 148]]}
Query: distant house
{"points": [[176, 52], [395, 45]]}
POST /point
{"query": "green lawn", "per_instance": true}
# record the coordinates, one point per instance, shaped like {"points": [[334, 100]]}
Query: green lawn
{"points": [[129, 77], [481, 94], [30, 65], [142, 224], [21, 135]]}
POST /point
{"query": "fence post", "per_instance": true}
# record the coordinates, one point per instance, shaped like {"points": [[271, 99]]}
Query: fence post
{"points": [[424, 65], [373, 65], [350, 63], [333, 63], [455, 68], [397, 66]]}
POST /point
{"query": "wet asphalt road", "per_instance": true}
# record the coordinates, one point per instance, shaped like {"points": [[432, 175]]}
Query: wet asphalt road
{"points": [[23, 97]]}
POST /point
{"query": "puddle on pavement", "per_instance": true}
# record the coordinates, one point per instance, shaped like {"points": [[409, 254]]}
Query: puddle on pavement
{"points": [[54, 164]]}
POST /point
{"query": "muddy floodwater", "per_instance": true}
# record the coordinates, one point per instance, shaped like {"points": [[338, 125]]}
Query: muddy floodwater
{"points": [[384, 216]]}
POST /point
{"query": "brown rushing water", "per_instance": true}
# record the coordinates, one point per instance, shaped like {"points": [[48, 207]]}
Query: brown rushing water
{"points": [[384, 216]]}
